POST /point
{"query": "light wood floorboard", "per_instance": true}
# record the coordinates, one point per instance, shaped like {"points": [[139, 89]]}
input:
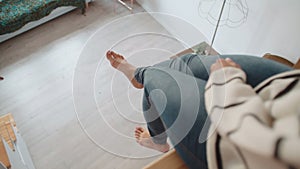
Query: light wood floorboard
{"points": [[38, 68]]}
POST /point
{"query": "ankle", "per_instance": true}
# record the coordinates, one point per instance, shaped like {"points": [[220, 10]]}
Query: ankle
{"points": [[126, 67]]}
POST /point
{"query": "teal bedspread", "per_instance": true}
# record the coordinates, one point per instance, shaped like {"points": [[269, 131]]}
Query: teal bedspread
{"points": [[14, 14]]}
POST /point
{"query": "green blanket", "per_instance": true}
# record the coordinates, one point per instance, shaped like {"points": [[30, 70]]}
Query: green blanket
{"points": [[14, 14]]}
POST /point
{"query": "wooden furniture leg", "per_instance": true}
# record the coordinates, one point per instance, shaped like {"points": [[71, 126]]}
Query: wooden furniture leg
{"points": [[170, 160], [297, 65]]}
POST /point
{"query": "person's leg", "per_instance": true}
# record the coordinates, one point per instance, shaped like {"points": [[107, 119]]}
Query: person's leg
{"points": [[154, 136], [257, 69], [189, 64], [179, 110]]}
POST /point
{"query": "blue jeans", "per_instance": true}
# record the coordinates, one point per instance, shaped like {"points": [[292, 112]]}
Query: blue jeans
{"points": [[173, 101]]}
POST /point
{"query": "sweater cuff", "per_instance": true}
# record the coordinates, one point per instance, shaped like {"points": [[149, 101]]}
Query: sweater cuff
{"points": [[224, 75]]}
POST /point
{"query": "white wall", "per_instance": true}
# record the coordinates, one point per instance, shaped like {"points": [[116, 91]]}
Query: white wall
{"points": [[272, 26]]}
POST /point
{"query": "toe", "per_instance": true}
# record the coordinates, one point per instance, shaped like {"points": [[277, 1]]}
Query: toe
{"points": [[109, 55], [137, 136], [120, 56], [141, 129], [138, 132], [117, 56]]}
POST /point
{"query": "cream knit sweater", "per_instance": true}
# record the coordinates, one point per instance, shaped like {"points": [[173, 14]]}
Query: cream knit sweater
{"points": [[253, 128]]}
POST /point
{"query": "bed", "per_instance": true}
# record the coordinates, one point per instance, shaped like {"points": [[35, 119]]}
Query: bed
{"points": [[18, 16]]}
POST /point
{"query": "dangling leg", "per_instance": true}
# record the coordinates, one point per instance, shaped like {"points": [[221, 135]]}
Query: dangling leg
{"points": [[154, 136], [180, 112]]}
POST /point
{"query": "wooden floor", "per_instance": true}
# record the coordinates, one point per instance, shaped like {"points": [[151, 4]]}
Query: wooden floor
{"points": [[38, 68]]}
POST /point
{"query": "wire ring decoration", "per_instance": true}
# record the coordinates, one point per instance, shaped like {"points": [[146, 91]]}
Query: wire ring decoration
{"points": [[235, 12]]}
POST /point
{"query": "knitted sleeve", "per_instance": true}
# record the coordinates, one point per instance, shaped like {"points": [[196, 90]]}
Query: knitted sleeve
{"points": [[240, 114]]}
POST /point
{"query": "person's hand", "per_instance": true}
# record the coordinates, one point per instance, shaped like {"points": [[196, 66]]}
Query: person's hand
{"points": [[222, 63]]}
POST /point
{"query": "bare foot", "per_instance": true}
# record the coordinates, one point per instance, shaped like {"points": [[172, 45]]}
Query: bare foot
{"points": [[144, 139], [118, 62]]}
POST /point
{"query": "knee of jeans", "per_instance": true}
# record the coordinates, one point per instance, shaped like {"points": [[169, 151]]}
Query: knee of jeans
{"points": [[186, 57], [158, 78], [155, 77], [162, 80]]}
